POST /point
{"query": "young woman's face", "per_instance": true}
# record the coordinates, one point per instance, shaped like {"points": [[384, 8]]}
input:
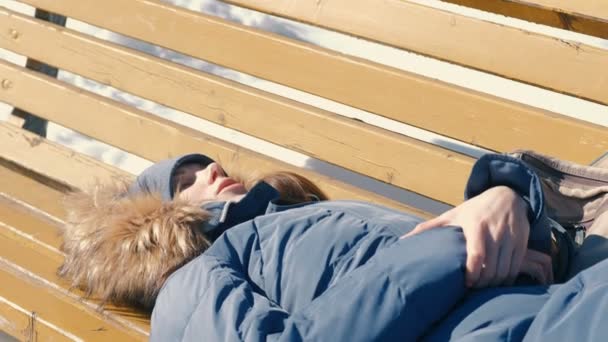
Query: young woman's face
{"points": [[198, 184]]}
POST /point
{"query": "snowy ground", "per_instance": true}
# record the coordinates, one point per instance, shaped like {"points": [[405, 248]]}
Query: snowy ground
{"points": [[408, 61]]}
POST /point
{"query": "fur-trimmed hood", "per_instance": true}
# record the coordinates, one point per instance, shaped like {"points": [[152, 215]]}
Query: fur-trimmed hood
{"points": [[122, 248]]}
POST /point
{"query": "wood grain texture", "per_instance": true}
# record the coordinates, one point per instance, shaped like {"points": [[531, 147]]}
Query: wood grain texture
{"points": [[20, 260], [19, 323], [14, 183], [453, 111], [31, 122], [546, 15], [569, 67], [26, 231], [593, 9], [65, 104], [317, 133], [30, 226]]}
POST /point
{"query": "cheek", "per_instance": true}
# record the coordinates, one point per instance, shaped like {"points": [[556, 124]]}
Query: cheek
{"points": [[197, 193]]}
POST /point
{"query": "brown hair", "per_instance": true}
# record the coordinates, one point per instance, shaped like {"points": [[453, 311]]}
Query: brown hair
{"points": [[294, 188]]}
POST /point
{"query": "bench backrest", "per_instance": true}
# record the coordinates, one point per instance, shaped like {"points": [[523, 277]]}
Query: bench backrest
{"points": [[34, 172]]}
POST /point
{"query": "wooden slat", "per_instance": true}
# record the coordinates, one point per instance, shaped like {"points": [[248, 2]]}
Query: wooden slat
{"points": [[65, 104], [469, 116], [569, 67], [60, 163], [546, 15], [44, 233], [294, 125], [31, 122], [52, 162], [592, 9], [65, 313], [34, 192], [23, 325]]}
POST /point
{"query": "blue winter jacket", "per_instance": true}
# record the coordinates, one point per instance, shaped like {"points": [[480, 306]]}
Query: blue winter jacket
{"points": [[337, 271]]}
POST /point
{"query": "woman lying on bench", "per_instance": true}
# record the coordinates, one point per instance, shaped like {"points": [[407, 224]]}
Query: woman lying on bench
{"points": [[282, 263]]}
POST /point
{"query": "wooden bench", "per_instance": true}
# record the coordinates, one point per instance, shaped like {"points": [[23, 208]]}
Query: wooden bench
{"points": [[35, 172]]}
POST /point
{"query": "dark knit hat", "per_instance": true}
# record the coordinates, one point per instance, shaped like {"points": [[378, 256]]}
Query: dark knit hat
{"points": [[157, 178]]}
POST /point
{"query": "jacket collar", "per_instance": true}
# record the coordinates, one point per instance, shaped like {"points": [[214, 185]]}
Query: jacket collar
{"points": [[225, 215]]}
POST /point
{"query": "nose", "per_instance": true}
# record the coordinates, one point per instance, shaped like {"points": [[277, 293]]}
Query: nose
{"points": [[213, 171]]}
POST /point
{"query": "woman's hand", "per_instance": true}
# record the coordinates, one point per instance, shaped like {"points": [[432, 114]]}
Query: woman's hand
{"points": [[538, 265], [496, 228]]}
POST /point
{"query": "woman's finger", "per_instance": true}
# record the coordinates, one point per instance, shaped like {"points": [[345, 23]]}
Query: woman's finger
{"points": [[535, 270], [476, 256], [516, 261], [438, 221], [544, 261], [504, 261], [488, 271]]}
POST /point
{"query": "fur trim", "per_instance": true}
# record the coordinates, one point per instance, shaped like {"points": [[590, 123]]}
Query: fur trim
{"points": [[122, 248]]}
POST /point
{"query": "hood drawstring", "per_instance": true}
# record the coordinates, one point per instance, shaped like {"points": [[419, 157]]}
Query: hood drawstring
{"points": [[224, 213]]}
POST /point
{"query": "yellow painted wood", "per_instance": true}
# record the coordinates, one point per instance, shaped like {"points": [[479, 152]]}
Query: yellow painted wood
{"points": [[27, 256], [576, 69], [65, 104], [21, 324], [23, 188], [63, 162], [593, 9], [18, 146], [543, 15], [57, 318], [224, 102], [18, 194], [40, 231], [463, 114], [244, 159]]}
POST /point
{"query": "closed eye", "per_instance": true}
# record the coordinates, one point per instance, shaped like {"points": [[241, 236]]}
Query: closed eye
{"points": [[184, 186], [185, 176], [183, 183]]}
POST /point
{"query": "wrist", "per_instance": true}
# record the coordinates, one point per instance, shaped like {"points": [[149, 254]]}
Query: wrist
{"points": [[521, 203], [495, 170], [518, 201]]}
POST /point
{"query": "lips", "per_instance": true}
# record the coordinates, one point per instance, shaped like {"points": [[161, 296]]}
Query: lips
{"points": [[225, 184]]}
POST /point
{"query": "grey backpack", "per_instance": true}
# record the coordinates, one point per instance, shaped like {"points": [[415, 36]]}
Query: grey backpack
{"points": [[576, 204]]}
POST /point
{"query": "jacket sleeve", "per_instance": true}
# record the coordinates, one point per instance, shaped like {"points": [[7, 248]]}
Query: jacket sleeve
{"points": [[576, 310], [397, 295], [496, 169]]}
